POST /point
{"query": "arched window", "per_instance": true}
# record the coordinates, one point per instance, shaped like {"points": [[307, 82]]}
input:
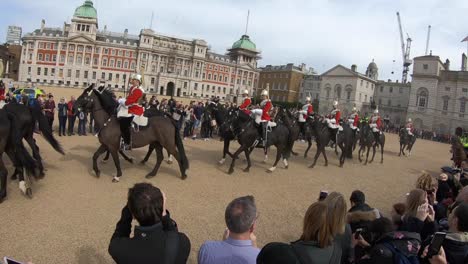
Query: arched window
{"points": [[422, 97], [338, 91], [349, 90], [445, 103]]}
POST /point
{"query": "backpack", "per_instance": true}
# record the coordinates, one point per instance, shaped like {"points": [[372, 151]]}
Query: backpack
{"points": [[397, 248]]}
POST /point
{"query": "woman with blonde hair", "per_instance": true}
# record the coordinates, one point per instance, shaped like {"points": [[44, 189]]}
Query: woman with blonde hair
{"points": [[316, 244], [419, 215]]}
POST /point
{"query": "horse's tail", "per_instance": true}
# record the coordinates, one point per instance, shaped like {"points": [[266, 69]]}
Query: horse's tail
{"points": [[45, 128], [289, 145], [23, 156], [181, 150]]}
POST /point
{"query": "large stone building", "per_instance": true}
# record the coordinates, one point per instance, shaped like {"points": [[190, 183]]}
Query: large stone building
{"points": [[438, 95], [347, 86], [10, 57], [310, 87], [392, 99], [284, 81], [13, 36], [79, 54]]}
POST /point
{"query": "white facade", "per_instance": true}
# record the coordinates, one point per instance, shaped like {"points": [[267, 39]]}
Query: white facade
{"points": [[348, 87], [13, 35], [438, 96], [310, 87], [392, 99]]}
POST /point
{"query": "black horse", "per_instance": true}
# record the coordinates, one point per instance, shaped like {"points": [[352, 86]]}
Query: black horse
{"points": [[366, 140], [406, 141], [247, 133], [322, 135], [345, 141]]}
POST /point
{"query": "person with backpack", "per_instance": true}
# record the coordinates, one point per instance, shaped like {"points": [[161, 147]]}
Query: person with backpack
{"points": [[156, 239], [316, 244]]}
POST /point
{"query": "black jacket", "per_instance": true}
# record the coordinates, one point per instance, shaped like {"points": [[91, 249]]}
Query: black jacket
{"points": [[413, 224], [148, 245], [456, 248]]}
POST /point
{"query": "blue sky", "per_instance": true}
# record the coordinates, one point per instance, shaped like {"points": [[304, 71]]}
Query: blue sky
{"points": [[320, 33]]}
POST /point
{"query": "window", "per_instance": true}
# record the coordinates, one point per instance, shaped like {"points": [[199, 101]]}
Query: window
{"points": [[69, 72], [97, 50], [71, 47], [111, 63], [120, 52], [106, 51], [30, 56], [389, 103], [125, 64], [104, 62], [380, 101], [103, 75], [85, 75], [95, 61], [421, 99], [38, 70], [48, 46], [94, 75], [425, 66], [161, 69], [54, 58], [113, 52], [348, 95], [133, 65], [209, 76], [127, 53], [381, 89], [87, 60], [391, 89], [465, 90], [119, 64], [401, 89], [39, 57], [152, 81], [70, 59], [446, 103], [77, 74], [462, 106], [80, 48], [29, 70], [41, 45], [89, 49], [328, 93], [110, 76], [61, 73], [362, 82], [46, 71], [47, 57], [79, 59]]}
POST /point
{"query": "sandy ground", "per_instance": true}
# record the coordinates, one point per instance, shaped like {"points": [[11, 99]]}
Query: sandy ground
{"points": [[73, 214]]}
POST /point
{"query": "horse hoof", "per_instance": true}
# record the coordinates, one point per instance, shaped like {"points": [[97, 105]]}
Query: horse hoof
{"points": [[326, 165], [131, 161], [98, 174], [230, 171], [246, 169], [184, 176], [221, 162], [116, 179], [29, 193], [149, 176], [2, 199], [269, 171], [13, 177], [286, 167], [143, 162], [311, 166]]}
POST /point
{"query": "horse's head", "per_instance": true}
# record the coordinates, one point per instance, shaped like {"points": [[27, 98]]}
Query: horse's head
{"points": [[86, 100]]}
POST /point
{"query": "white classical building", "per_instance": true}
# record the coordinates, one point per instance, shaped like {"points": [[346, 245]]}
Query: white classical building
{"points": [[347, 86], [438, 95], [392, 100], [79, 53]]}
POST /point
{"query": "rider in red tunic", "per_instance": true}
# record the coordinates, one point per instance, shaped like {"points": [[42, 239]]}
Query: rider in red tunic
{"points": [[262, 116], [376, 125], [409, 127], [133, 103], [246, 103]]}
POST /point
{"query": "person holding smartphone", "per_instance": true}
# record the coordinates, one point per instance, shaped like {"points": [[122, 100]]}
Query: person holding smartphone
{"points": [[419, 215]]}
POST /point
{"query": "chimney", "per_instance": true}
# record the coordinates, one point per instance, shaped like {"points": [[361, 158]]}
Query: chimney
{"points": [[64, 28], [389, 80], [463, 68], [447, 65], [42, 25], [105, 29], [125, 33], [354, 68]]}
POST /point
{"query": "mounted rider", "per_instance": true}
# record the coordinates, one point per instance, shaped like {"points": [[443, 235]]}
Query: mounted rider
{"points": [[353, 120], [333, 119], [409, 127], [306, 111], [262, 116], [246, 102], [376, 125], [130, 108]]}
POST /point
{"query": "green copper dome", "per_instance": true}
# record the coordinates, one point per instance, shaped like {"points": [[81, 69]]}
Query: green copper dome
{"points": [[86, 10], [244, 43]]}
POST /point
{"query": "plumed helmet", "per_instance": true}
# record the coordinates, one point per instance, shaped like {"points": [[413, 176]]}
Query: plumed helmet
{"points": [[307, 99], [137, 77], [376, 111], [354, 109], [265, 92], [409, 120], [245, 92], [335, 103]]}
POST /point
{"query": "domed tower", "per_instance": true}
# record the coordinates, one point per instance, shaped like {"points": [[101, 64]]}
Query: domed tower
{"points": [[84, 21], [372, 71], [244, 51]]}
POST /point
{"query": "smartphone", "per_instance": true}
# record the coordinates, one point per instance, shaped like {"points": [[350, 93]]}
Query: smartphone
{"points": [[436, 243], [323, 195], [357, 233], [8, 260]]}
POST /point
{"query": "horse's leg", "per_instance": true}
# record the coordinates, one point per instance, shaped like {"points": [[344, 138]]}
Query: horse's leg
{"points": [[309, 144], [360, 153], [96, 155], [265, 152], [3, 180], [36, 155], [325, 156], [367, 155], [342, 156], [317, 154], [234, 157], [23, 186], [106, 158], [225, 151], [148, 154], [115, 157], [169, 158], [247, 156], [278, 156], [381, 153], [127, 158], [159, 159], [373, 152], [401, 145]]}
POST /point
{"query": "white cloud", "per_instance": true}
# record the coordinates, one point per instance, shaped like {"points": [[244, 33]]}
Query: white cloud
{"points": [[319, 33]]}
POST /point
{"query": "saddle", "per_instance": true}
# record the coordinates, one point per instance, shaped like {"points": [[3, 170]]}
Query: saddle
{"points": [[140, 121]]}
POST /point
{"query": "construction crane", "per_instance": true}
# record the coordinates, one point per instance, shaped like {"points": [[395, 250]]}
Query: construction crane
{"points": [[428, 38], [405, 50]]}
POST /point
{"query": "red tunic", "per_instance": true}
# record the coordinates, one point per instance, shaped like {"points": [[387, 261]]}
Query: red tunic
{"points": [[266, 109], [410, 126], [2, 98], [245, 104], [132, 101], [2, 92], [310, 110], [337, 116], [356, 121], [379, 123]]}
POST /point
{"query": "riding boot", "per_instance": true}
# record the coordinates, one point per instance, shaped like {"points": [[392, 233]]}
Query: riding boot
{"points": [[377, 137], [125, 129], [260, 133], [264, 134]]}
